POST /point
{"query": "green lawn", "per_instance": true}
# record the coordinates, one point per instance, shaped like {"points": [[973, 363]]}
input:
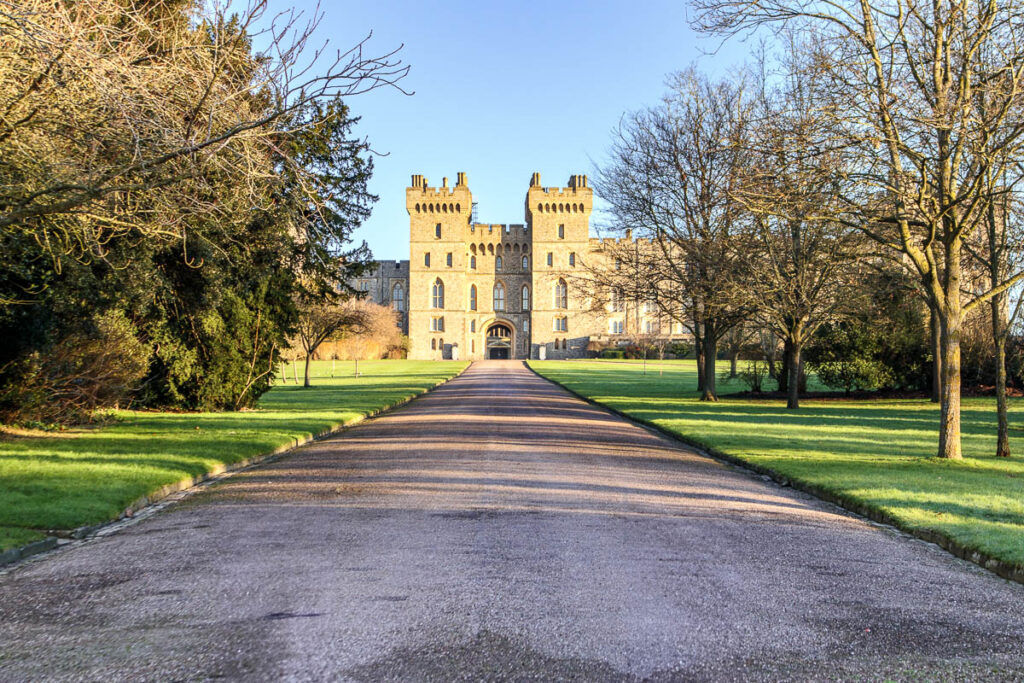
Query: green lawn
{"points": [[873, 453], [87, 476]]}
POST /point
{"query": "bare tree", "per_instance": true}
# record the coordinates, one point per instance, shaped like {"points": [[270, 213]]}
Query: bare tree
{"points": [[107, 108], [669, 180], [905, 78], [796, 265], [1000, 253], [319, 320]]}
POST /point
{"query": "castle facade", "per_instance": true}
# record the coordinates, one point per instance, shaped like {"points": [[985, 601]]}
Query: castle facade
{"points": [[474, 290]]}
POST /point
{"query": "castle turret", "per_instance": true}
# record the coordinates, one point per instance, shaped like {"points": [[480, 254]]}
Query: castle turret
{"points": [[559, 223]]}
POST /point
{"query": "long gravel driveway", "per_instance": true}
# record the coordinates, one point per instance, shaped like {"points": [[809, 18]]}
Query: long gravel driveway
{"points": [[499, 528]]}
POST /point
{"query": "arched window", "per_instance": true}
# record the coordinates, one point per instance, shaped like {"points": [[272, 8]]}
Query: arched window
{"points": [[561, 294], [472, 262], [437, 296], [398, 298], [499, 297], [433, 345], [526, 262], [526, 298], [497, 263], [472, 297]]}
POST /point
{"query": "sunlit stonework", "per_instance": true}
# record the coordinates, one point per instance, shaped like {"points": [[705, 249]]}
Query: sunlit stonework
{"points": [[477, 290]]}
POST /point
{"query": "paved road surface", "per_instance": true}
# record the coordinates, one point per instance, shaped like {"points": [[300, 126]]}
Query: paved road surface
{"points": [[499, 528]]}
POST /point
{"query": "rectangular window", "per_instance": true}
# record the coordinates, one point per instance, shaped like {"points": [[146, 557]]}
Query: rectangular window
{"points": [[472, 326], [426, 259], [561, 232], [437, 231], [437, 324], [448, 259], [572, 259], [649, 327], [551, 259], [618, 304], [561, 324]]}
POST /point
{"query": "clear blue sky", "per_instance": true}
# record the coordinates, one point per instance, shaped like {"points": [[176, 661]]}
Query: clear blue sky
{"points": [[506, 89]]}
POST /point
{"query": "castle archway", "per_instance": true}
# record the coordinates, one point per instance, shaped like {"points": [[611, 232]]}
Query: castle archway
{"points": [[498, 342]]}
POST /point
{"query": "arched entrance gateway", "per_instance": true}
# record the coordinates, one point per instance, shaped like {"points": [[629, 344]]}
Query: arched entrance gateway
{"points": [[499, 341]]}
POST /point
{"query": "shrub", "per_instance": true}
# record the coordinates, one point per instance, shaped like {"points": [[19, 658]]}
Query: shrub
{"points": [[753, 375], [679, 349], [97, 367], [849, 356], [855, 373], [612, 353]]}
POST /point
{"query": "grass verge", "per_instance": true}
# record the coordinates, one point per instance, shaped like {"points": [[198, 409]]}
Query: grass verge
{"points": [[870, 455], [60, 481]]}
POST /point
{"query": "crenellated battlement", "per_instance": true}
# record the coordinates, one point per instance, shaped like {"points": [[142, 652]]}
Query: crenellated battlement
{"points": [[421, 198], [576, 198]]}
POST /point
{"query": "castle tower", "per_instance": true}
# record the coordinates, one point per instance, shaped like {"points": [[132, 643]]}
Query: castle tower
{"points": [[559, 223], [438, 230]]}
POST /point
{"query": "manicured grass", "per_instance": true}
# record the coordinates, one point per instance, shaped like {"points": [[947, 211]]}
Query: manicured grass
{"points": [[87, 476], [874, 453]]}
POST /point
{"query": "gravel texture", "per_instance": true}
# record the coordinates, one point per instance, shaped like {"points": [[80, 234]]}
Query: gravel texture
{"points": [[500, 529]]}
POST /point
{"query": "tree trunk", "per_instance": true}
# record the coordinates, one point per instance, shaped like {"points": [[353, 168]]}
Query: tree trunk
{"points": [[710, 351], [305, 382], [770, 358], [949, 406], [783, 378], [936, 332], [698, 347], [999, 334], [793, 399], [734, 365]]}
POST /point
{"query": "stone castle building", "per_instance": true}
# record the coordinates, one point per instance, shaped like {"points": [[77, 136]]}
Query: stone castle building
{"points": [[475, 290]]}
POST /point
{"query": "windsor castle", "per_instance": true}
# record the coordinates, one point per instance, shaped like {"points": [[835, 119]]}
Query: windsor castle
{"points": [[474, 290]]}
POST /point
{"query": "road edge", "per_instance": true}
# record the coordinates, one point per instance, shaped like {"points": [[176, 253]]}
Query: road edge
{"points": [[1006, 570], [10, 557]]}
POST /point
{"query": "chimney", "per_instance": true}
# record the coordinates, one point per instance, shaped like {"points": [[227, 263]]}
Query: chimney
{"points": [[629, 233], [460, 180], [444, 182], [535, 180]]}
